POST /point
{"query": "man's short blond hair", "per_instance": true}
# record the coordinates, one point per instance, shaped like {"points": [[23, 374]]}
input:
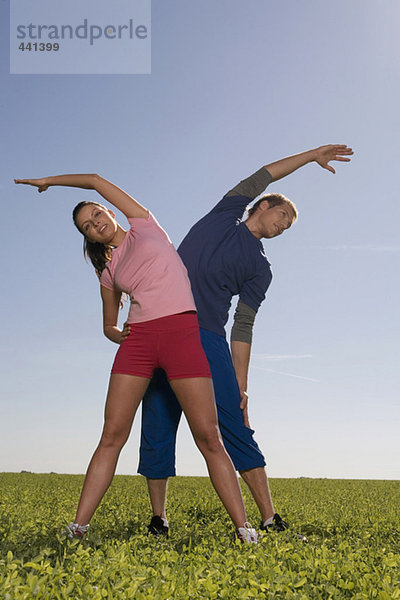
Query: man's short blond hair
{"points": [[273, 200]]}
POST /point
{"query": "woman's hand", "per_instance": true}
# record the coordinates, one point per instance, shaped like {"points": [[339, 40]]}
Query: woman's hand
{"points": [[324, 154], [114, 333], [39, 183], [125, 332]]}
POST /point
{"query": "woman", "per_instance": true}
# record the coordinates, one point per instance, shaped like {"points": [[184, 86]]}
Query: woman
{"points": [[162, 332]]}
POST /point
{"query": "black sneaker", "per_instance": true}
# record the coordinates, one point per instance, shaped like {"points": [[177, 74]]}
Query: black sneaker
{"points": [[157, 527], [278, 524]]}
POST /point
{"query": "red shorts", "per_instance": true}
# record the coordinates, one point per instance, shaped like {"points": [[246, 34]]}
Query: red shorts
{"points": [[171, 343]]}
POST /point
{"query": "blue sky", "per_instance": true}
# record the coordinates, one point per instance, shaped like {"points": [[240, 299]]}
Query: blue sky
{"points": [[234, 85]]}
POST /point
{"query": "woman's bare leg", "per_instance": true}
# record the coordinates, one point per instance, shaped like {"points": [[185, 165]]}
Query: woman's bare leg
{"points": [[196, 396], [124, 395]]}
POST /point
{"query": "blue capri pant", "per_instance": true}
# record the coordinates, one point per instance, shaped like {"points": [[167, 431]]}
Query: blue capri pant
{"points": [[161, 414]]}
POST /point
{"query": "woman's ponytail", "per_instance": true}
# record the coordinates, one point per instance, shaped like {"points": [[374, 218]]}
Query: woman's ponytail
{"points": [[98, 254]]}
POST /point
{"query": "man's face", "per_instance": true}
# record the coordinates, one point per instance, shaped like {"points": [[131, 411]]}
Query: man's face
{"points": [[274, 220]]}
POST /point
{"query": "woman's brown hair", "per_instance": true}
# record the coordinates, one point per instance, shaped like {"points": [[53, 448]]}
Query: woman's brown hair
{"points": [[98, 253]]}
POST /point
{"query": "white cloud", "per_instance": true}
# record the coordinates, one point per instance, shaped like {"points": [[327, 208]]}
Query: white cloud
{"points": [[286, 374], [280, 356], [361, 247]]}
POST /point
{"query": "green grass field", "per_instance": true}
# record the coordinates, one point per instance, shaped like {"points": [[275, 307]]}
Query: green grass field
{"points": [[353, 529]]}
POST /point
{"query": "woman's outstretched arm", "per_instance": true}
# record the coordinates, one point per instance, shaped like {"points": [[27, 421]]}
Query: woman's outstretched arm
{"points": [[110, 192]]}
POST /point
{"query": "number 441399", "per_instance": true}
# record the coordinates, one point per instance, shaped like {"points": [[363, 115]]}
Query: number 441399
{"points": [[41, 47]]}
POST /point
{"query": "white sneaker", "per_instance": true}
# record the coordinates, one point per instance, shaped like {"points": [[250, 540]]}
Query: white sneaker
{"points": [[247, 535], [73, 530]]}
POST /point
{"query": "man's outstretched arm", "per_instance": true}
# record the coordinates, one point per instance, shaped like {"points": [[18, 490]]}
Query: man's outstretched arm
{"points": [[253, 186], [322, 156]]}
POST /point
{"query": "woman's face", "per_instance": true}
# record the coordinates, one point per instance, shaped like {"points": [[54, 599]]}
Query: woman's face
{"points": [[97, 223]]}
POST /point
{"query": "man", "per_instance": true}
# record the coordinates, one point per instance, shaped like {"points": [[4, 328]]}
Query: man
{"points": [[224, 258]]}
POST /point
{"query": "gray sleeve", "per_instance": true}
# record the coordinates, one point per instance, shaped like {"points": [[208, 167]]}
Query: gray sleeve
{"points": [[242, 329], [253, 186]]}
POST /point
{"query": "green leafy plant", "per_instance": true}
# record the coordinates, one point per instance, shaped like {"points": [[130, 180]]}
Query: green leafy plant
{"points": [[353, 552]]}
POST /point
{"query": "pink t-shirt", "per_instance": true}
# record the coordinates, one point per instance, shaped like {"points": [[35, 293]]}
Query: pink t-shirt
{"points": [[148, 268]]}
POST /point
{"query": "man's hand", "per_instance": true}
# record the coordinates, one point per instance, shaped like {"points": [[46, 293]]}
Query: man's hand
{"points": [[243, 406], [39, 183], [241, 357], [324, 154]]}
